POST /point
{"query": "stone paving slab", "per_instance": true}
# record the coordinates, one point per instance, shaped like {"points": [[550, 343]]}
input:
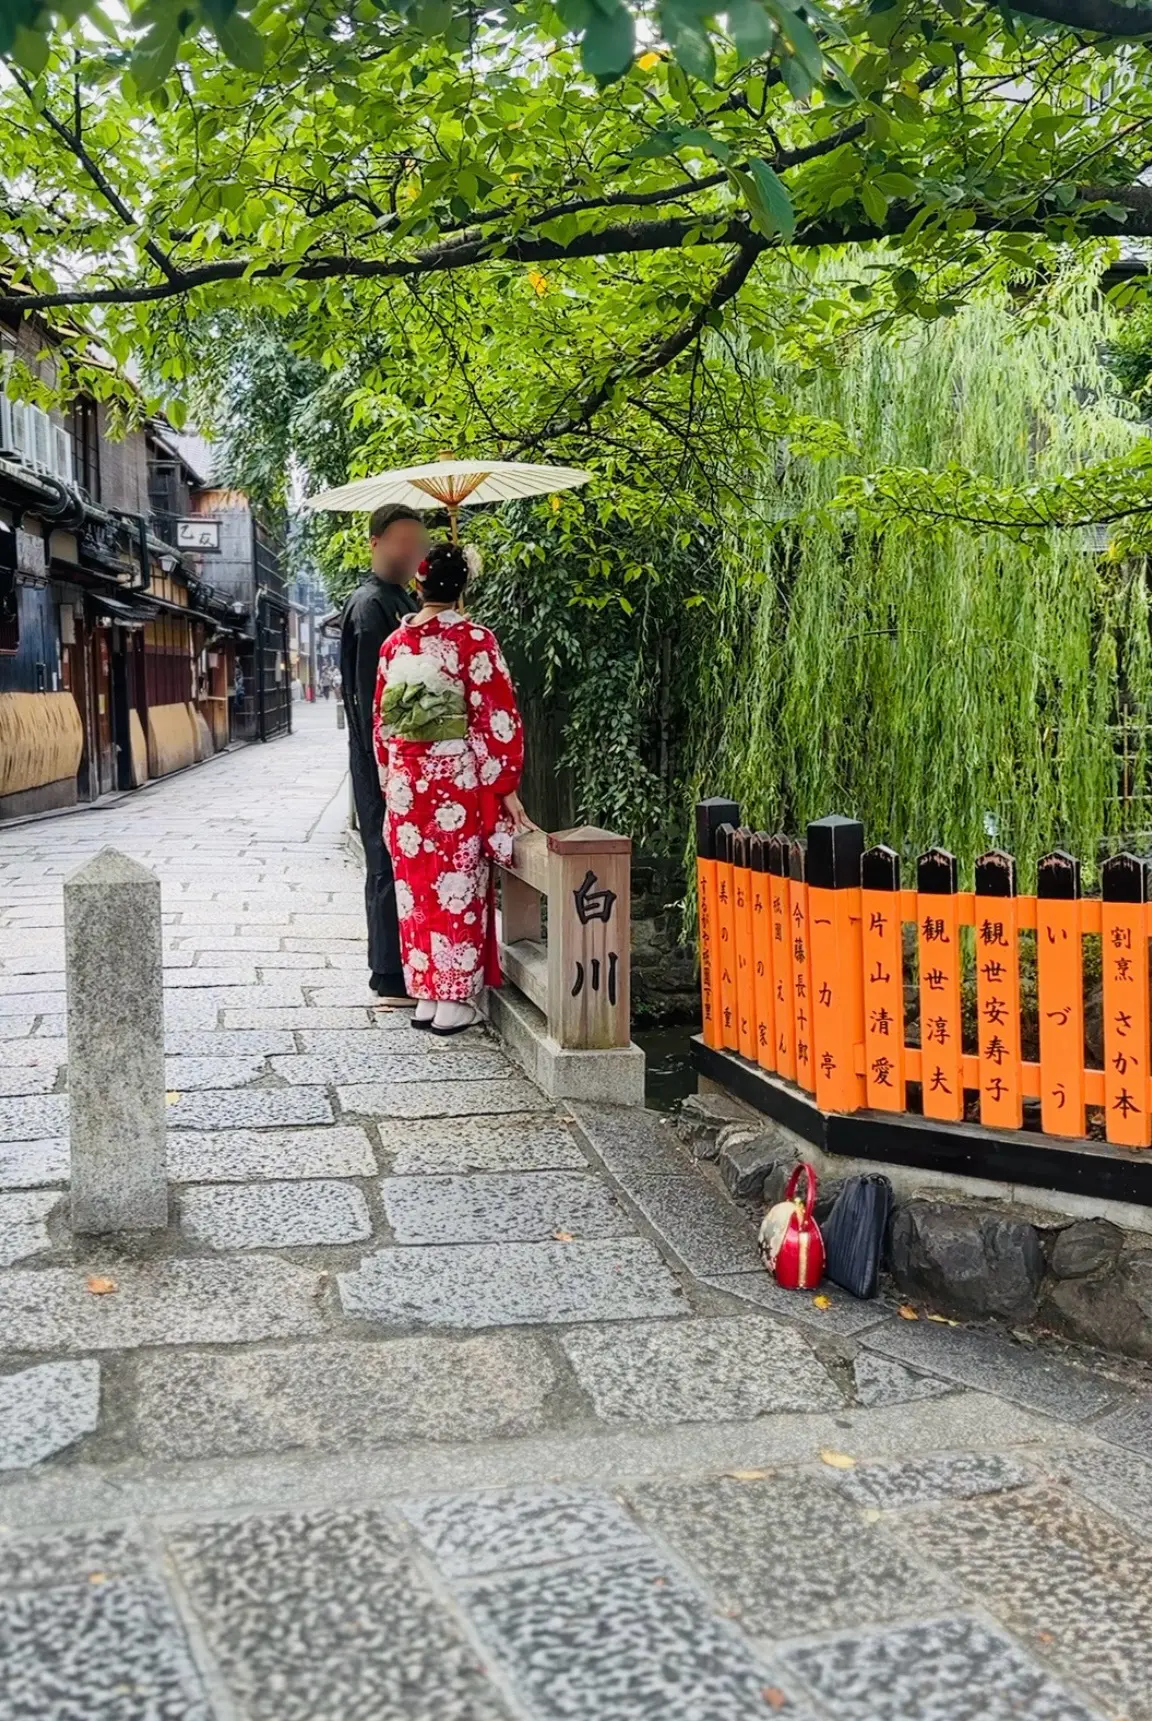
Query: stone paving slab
{"points": [[470, 1535], [36, 1053], [241, 1155], [23, 1228], [328, 1042], [30, 1080], [274, 1215], [699, 1371], [51, 1027], [879, 1380], [927, 1481], [989, 1363], [249, 1108], [956, 1669], [512, 1284], [31, 1118], [462, 1145], [495, 1207], [1057, 1572], [29, 1164], [632, 1142], [179, 977], [845, 1314], [1130, 1424], [339, 1396], [15, 1027], [182, 1074], [618, 1640], [297, 1016], [70, 1557], [97, 1650], [222, 1043], [382, 1060], [790, 1556], [1117, 1481], [29, 1002], [157, 1303], [45, 1409], [698, 1222], [441, 1098], [321, 1616]]}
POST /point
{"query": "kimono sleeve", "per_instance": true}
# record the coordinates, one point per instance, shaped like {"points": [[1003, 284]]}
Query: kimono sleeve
{"points": [[378, 741], [495, 729]]}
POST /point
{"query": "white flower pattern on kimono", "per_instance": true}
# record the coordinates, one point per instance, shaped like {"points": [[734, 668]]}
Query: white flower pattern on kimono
{"points": [[399, 795], [405, 902], [408, 839], [502, 725], [452, 958], [418, 959], [489, 770], [450, 816], [481, 667], [454, 891]]}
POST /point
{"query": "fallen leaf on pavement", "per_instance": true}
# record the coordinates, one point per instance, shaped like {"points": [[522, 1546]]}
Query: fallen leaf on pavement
{"points": [[907, 1312], [97, 1577], [171, 1098], [943, 1321], [871, 1514], [747, 1475], [1045, 1637], [774, 1697], [837, 1460], [822, 1302], [100, 1287], [563, 1237]]}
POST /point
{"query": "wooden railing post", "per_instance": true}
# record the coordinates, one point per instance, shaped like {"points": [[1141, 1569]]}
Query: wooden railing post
{"points": [[1060, 990], [882, 942], [998, 991], [710, 816], [835, 847], [1124, 959], [589, 938], [941, 1049]]}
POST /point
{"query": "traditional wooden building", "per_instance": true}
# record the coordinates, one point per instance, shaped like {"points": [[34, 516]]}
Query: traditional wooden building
{"points": [[122, 657]]}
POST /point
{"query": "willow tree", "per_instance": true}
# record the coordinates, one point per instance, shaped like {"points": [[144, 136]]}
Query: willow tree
{"points": [[947, 675]]}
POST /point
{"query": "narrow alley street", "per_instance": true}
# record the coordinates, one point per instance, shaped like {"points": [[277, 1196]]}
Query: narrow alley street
{"points": [[437, 1402]]}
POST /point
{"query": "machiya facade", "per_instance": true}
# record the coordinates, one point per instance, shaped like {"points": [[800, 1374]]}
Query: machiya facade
{"points": [[143, 611]]}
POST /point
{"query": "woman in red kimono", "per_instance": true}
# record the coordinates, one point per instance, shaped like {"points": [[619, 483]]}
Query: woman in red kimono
{"points": [[450, 746]]}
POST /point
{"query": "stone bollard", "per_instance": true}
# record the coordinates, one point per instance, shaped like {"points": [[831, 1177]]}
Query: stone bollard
{"points": [[116, 1097]]}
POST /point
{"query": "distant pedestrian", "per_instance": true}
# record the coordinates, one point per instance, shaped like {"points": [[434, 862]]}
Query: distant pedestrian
{"points": [[451, 747], [398, 541]]}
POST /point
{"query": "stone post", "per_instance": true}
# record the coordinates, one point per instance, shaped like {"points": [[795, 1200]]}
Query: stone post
{"points": [[116, 1097]]}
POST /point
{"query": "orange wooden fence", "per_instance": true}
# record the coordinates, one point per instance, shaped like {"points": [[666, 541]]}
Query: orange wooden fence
{"points": [[802, 959]]}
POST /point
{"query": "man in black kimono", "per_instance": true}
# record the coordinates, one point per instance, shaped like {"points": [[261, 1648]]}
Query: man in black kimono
{"points": [[374, 610]]}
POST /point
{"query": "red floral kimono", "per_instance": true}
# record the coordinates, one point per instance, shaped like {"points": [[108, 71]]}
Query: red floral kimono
{"points": [[450, 745]]}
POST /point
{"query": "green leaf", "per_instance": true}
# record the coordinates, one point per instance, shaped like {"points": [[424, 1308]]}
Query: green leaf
{"points": [[241, 42], [797, 77], [30, 49], [432, 17], [875, 203], [574, 14], [658, 143], [609, 45], [155, 55], [750, 28], [768, 199], [896, 184], [687, 36], [798, 34]]}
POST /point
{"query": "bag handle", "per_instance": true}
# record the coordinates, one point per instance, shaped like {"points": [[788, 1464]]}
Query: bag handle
{"points": [[806, 1171]]}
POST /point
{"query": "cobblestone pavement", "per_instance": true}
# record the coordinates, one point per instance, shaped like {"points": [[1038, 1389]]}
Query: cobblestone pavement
{"points": [[435, 1401]]}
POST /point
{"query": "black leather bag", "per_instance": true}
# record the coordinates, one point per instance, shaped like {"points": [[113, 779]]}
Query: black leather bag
{"points": [[854, 1234]]}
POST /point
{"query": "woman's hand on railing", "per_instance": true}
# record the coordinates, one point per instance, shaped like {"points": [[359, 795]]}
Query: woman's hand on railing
{"points": [[514, 807]]}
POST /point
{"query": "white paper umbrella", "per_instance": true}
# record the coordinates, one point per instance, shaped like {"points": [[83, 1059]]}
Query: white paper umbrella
{"points": [[450, 483]]}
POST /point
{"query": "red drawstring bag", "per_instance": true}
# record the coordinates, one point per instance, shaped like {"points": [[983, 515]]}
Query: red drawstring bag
{"points": [[791, 1246]]}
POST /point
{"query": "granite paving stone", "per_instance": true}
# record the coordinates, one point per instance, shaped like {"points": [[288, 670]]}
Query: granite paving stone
{"points": [[32, 1002], [30, 1118], [624, 1639], [987, 1362], [224, 1043], [438, 1099], [461, 1145], [157, 1303], [109, 1649], [632, 1142], [338, 1396], [29, 1079], [956, 1669], [195, 975], [50, 1027], [1118, 1481], [333, 925], [182, 1074], [190, 1010], [274, 1215], [845, 1314], [495, 1207], [45, 1409], [241, 1155], [15, 1027], [320, 1616], [269, 994], [36, 1053], [71, 1557], [879, 1381], [1057, 1571], [383, 1060], [23, 1227], [789, 1555], [699, 1371], [246, 1108], [698, 1222], [926, 1481], [45, 982], [1130, 1424], [28, 1164], [469, 1535], [298, 1016], [512, 1284]]}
